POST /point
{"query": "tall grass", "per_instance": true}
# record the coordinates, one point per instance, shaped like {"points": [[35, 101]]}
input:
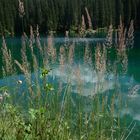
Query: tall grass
{"points": [[53, 111]]}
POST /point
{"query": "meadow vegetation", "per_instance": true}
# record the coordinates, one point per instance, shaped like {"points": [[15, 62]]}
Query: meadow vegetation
{"points": [[45, 111]]}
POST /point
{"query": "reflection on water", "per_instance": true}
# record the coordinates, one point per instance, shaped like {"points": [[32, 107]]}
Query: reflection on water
{"points": [[89, 68]]}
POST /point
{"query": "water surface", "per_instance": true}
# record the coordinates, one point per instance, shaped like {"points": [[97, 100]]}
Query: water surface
{"points": [[127, 83]]}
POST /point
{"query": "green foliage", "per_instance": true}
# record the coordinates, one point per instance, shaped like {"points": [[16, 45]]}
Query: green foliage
{"points": [[49, 87], [63, 14], [48, 123], [73, 31], [45, 72], [56, 119], [60, 119], [58, 115]]}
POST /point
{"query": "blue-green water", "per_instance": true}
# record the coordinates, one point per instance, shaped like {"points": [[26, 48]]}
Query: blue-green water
{"points": [[127, 83]]}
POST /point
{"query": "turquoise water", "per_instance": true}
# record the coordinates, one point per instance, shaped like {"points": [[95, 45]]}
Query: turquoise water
{"points": [[127, 82]]}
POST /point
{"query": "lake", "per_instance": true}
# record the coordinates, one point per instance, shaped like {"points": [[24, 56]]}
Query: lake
{"points": [[87, 66]]}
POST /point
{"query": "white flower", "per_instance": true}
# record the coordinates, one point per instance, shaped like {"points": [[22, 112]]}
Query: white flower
{"points": [[19, 82]]}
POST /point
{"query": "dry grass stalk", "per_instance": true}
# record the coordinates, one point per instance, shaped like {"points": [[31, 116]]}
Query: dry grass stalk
{"points": [[121, 37], [3, 71], [38, 40], [71, 54], [83, 23], [77, 74], [89, 18], [20, 66], [109, 37], [34, 58], [31, 47], [24, 39], [116, 38], [100, 59], [37, 31], [60, 87], [7, 59], [25, 66], [124, 39], [27, 76], [125, 63], [45, 56], [21, 9], [134, 90], [32, 38], [66, 41], [83, 27], [25, 62], [66, 33], [51, 51], [35, 64], [54, 55], [130, 35], [62, 55], [123, 60], [88, 55], [50, 44]]}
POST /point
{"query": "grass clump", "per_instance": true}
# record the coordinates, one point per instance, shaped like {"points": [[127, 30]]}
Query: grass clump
{"points": [[36, 108]]}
